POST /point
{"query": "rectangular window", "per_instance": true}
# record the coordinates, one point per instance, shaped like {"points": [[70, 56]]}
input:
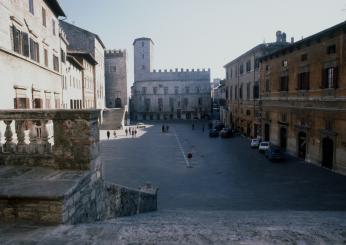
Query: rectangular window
{"points": [[267, 85], [63, 56], [44, 17], [16, 40], [303, 81], [171, 104], [160, 104], [165, 89], [231, 92], [147, 104], [186, 102], [176, 90], [304, 57], [187, 90], [45, 57], [284, 63], [25, 44], [284, 83], [34, 51], [155, 90], [330, 77], [256, 91], [241, 69], [31, 7], [55, 63], [144, 90], [331, 49], [257, 63], [53, 27], [241, 92], [200, 101], [248, 66], [248, 91]]}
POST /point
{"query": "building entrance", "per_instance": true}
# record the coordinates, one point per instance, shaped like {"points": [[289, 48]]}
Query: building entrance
{"points": [[118, 103], [283, 138], [327, 153], [266, 132]]}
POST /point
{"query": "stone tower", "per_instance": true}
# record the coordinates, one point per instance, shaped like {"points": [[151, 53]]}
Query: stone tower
{"points": [[116, 78], [143, 58]]}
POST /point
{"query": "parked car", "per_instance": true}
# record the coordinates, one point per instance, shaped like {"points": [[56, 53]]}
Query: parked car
{"points": [[255, 143], [213, 133], [140, 125], [226, 133], [263, 146], [274, 153], [219, 126]]}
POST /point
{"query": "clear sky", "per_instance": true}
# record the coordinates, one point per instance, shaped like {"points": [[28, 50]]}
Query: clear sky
{"points": [[200, 33]]}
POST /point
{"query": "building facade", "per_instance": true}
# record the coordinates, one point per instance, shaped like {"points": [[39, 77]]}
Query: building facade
{"points": [[162, 95], [32, 51], [89, 44], [116, 78], [303, 91], [242, 88]]}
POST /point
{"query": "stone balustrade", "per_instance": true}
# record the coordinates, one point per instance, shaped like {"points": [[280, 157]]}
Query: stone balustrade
{"points": [[61, 139]]}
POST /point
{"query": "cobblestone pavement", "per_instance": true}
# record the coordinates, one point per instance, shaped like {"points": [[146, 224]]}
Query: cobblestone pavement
{"points": [[192, 227], [226, 174]]}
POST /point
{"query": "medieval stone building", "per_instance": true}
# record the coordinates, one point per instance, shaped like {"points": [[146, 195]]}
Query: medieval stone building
{"points": [[116, 78], [242, 88], [303, 89], [173, 94]]}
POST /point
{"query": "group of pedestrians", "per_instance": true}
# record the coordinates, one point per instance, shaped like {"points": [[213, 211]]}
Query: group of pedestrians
{"points": [[164, 128], [131, 132], [193, 127]]}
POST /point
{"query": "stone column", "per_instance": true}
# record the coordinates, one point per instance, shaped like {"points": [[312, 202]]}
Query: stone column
{"points": [[21, 146]]}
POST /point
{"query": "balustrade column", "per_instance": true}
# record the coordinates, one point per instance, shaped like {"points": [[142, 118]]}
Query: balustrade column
{"points": [[33, 138], [9, 145], [45, 136], [20, 130]]}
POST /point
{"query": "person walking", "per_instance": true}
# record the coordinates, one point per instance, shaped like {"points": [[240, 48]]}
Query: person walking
{"points": [[130, 131], [163, 128], [167, 128], [115, 134], [126, 132], [203, 128], [108, 134], [193, 126], [135, 133]]}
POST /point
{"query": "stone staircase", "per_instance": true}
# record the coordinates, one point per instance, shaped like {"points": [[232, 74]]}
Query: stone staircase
{"points": [[177, 227]]}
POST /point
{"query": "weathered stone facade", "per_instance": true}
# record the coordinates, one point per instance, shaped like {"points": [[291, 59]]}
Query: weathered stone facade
{"points": [[302, 92], [116, 78], [162, 95], [242, 88]]}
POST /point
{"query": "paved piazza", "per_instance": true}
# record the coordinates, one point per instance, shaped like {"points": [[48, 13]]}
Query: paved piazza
{"points": [[226, 174]]}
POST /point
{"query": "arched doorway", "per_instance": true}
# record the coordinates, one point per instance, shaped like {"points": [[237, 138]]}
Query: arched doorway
{"points": [[118, 103], [283, 138], [302, 145], [266, 132], [327, 153]]}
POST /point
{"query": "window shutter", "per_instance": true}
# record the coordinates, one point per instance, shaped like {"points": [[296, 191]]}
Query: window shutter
{"points": [[336, 77], [27, 103]]}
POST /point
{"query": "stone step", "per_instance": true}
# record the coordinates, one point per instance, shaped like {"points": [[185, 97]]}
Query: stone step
{"points": [[49, 196]]}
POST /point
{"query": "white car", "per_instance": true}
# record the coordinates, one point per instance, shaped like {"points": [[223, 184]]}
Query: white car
{"points": [[255, 143], [140, 125], [264, 146]]}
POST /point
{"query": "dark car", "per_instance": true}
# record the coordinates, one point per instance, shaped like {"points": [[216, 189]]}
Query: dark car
{"points": [[213, 133], [274, 153], [219, 126], [226, 133]]}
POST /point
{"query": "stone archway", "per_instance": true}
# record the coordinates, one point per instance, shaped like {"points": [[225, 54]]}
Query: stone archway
{"points": [[327, 153]]}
